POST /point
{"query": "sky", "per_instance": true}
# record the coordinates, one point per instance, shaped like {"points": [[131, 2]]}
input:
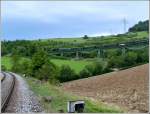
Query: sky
{"points": [[31, 20]]}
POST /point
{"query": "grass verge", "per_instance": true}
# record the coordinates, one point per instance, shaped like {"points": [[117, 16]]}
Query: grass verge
{"points": [[60, 98]]}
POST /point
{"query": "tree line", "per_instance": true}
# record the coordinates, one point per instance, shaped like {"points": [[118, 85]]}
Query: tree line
{"points": [[40, 66], [141, 26]]}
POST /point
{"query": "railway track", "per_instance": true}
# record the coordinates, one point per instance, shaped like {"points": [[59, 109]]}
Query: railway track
{"points": [[2, 76], [7, 86]]}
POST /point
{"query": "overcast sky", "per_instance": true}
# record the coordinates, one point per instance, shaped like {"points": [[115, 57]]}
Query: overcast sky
{"points": [[49, 19]]}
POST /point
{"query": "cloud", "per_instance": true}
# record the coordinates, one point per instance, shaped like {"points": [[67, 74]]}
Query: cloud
{"points": [[100, 34], [69, 18], [50, 11]]}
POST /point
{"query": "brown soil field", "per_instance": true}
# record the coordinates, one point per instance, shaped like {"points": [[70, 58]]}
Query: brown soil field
{"points": [[127, 89]]}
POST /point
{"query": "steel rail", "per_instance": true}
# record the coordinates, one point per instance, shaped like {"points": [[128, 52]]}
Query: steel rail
{"points": [[5, 101], [3, 77]]}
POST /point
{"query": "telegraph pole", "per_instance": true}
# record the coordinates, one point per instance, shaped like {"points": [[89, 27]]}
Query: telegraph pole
{"points": [[124, 25]]}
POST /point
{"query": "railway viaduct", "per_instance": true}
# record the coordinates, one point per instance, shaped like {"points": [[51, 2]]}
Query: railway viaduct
{"points": [[101, 48]]}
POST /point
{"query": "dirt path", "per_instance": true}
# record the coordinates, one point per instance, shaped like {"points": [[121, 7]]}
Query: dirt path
{"points": [[127, 88], [23, 100]]}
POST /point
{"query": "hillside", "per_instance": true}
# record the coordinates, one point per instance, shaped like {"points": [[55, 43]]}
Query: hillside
{"points": [[141, 26], [28, 48], [127, 88]]}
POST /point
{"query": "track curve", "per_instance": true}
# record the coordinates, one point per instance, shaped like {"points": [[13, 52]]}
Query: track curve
{"points": [[6, 89], [2, 75]]}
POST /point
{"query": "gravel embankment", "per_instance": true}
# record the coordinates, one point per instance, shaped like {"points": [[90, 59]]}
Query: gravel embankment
{"points": [[23, 100]]}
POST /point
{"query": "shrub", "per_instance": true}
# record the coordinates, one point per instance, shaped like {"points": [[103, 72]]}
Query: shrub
{"points": [[3, 68], [98, 68], [130, 58], [25, 67], [107, 69], [85, 73], [90, 68], [67, 74], [95, 68], [48, 71], [38, 60], [16, 66]]}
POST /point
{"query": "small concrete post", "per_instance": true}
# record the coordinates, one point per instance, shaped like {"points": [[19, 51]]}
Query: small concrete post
{"points": [[77, 55], [123, 50], [98, 53], [62, 54]]}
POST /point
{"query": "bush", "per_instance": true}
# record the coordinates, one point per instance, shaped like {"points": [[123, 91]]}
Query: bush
{"points": [[95, 68], [85, 73], [48, 72], [67, 74], [130, 58], [16, 66], [38, 60], [25, 67], [98, 68], [3, 68], [90, 68], [111, 62], [106, 69]]}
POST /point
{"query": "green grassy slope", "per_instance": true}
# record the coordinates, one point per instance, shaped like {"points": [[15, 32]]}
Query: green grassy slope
{"points": [[6, 61], [105, 39], [76, 65]]}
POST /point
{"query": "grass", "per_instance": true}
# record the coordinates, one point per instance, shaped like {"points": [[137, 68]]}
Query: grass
{"points": [[72, 40], [105, 39], [7, 62], [76, 65], [60, 98]]}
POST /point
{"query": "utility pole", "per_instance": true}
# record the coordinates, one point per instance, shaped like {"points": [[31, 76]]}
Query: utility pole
{"points": [[124, 24]]}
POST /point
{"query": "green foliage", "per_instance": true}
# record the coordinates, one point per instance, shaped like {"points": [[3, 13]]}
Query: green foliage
{"points": [[25, 67], [85, 73], [94, 69], [42, 68], [98, 68], [76, 65], [107, 69], [16, 64], [39, 59], [143, 56], [27, 48], [48, 72], [141, 26], [67, 74], [113, 52], [130, 58], [90, 68], [3, 68], [85, 37]]}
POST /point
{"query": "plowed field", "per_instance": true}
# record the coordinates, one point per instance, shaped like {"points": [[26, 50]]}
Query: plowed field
{"points": [[127, 88]]}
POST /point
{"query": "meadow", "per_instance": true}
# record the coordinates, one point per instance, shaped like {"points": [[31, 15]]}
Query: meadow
{"points": [[76, 65], [103, 39]]}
